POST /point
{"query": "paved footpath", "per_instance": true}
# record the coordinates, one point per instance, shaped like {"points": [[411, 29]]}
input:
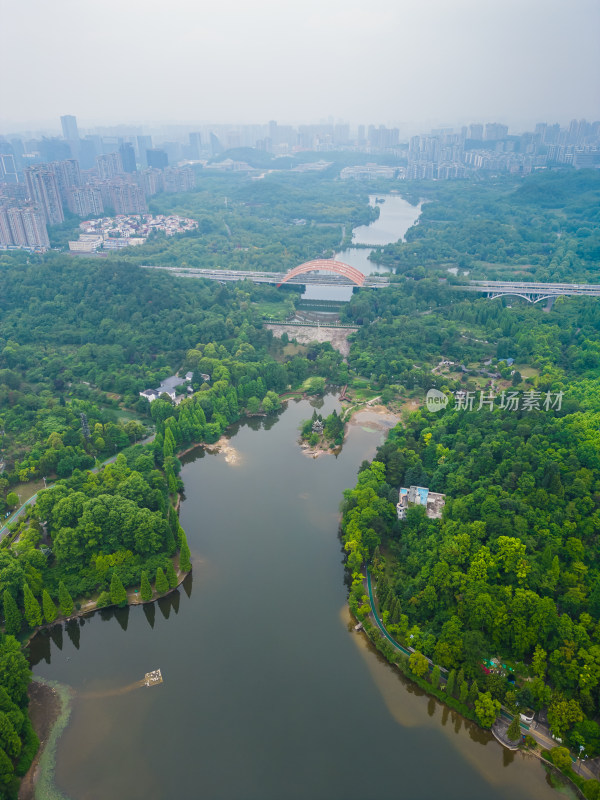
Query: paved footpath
{"points": [[4, 530], [540, 732]]}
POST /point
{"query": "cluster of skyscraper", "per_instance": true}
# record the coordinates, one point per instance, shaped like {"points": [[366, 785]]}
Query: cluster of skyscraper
{"points": [[37, 184], [118, 169], [444, 154]]}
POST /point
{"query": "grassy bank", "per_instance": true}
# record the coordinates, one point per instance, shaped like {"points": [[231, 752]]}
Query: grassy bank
{"points": [[45, 788]]}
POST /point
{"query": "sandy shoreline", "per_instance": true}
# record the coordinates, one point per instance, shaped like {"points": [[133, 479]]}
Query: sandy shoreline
{"points": [[374, 418]]}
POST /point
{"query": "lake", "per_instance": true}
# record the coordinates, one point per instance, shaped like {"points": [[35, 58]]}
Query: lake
{"points": [[268, 693]]}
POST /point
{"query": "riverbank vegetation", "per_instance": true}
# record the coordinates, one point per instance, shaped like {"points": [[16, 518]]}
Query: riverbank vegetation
{"points": [[91, 536], [18, 741], [323, 433], [507, 582], [510, 572], [272, 224], [545, 227]]}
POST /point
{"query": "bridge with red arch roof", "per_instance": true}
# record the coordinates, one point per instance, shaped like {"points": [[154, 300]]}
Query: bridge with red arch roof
{"points": [[328, 271], [326, 265], [321, 271]]}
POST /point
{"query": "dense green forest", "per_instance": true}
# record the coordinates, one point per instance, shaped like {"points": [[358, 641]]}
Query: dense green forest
{"points": [[546, 228], [511, 570], [417, 323], [271, 224], [81, 337], [18, 741]]}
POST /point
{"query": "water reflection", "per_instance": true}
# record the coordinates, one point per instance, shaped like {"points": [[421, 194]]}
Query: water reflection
{"points": [[56, 634], [150, 613], [187, 584], [40, 647], [164, 606], [122, 616], [72, 628]]}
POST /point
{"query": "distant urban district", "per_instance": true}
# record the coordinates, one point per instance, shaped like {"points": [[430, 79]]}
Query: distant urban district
{"points": [[47, 180]]}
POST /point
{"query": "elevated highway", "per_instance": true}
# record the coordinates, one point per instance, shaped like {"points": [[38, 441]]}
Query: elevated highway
{"points": [[530, 291], [335, 273], [303, 278]]}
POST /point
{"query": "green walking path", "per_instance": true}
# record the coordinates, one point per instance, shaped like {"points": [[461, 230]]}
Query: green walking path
{"points": [[379, 622]]}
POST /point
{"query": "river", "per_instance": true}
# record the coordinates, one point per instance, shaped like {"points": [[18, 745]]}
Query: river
{"points": [[396, 216], [268, 693]]}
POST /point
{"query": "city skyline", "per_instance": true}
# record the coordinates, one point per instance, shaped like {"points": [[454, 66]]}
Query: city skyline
{"points": [[394, 63]]}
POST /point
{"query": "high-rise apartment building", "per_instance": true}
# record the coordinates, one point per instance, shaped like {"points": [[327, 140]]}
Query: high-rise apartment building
{"points": [[42, 188], [8, 168], [68, 175], [17, 229], [54, 149], [89, 149], [152, 181], [476, 132], [69, 127], [215, 144], [195, 145], [495, 131], [35, 228], [109, 165], [6, 237], [85, 201], [144, 143], [178, 179], [127, 154], [23, 227], [157, 158], [127, 198]]}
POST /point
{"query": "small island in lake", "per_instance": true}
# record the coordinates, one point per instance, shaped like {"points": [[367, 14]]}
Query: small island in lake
{"points": [[323, 435]]}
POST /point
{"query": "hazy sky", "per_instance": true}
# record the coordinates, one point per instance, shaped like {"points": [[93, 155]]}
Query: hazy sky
{"points": [[407, 62]]}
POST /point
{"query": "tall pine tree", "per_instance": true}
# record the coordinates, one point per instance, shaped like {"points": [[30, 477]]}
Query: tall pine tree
{"points": [[185, 563], [171, 574], [451, 682], [33, 613], [145, 588], [174, 524], [118, 595], [514, 729], [12, 616], [65, 601], [50, 612], [162, 584]]}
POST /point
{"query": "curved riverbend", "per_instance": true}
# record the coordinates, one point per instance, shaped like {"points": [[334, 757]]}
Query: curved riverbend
{"points": [[267, 692]]}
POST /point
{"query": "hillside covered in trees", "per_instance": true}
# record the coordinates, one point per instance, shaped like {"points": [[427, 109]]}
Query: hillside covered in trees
{"points": [[512, 569], [546, 227]]}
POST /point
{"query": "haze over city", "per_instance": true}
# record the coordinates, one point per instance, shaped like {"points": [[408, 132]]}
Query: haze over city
{"points": [[399, 63]]}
